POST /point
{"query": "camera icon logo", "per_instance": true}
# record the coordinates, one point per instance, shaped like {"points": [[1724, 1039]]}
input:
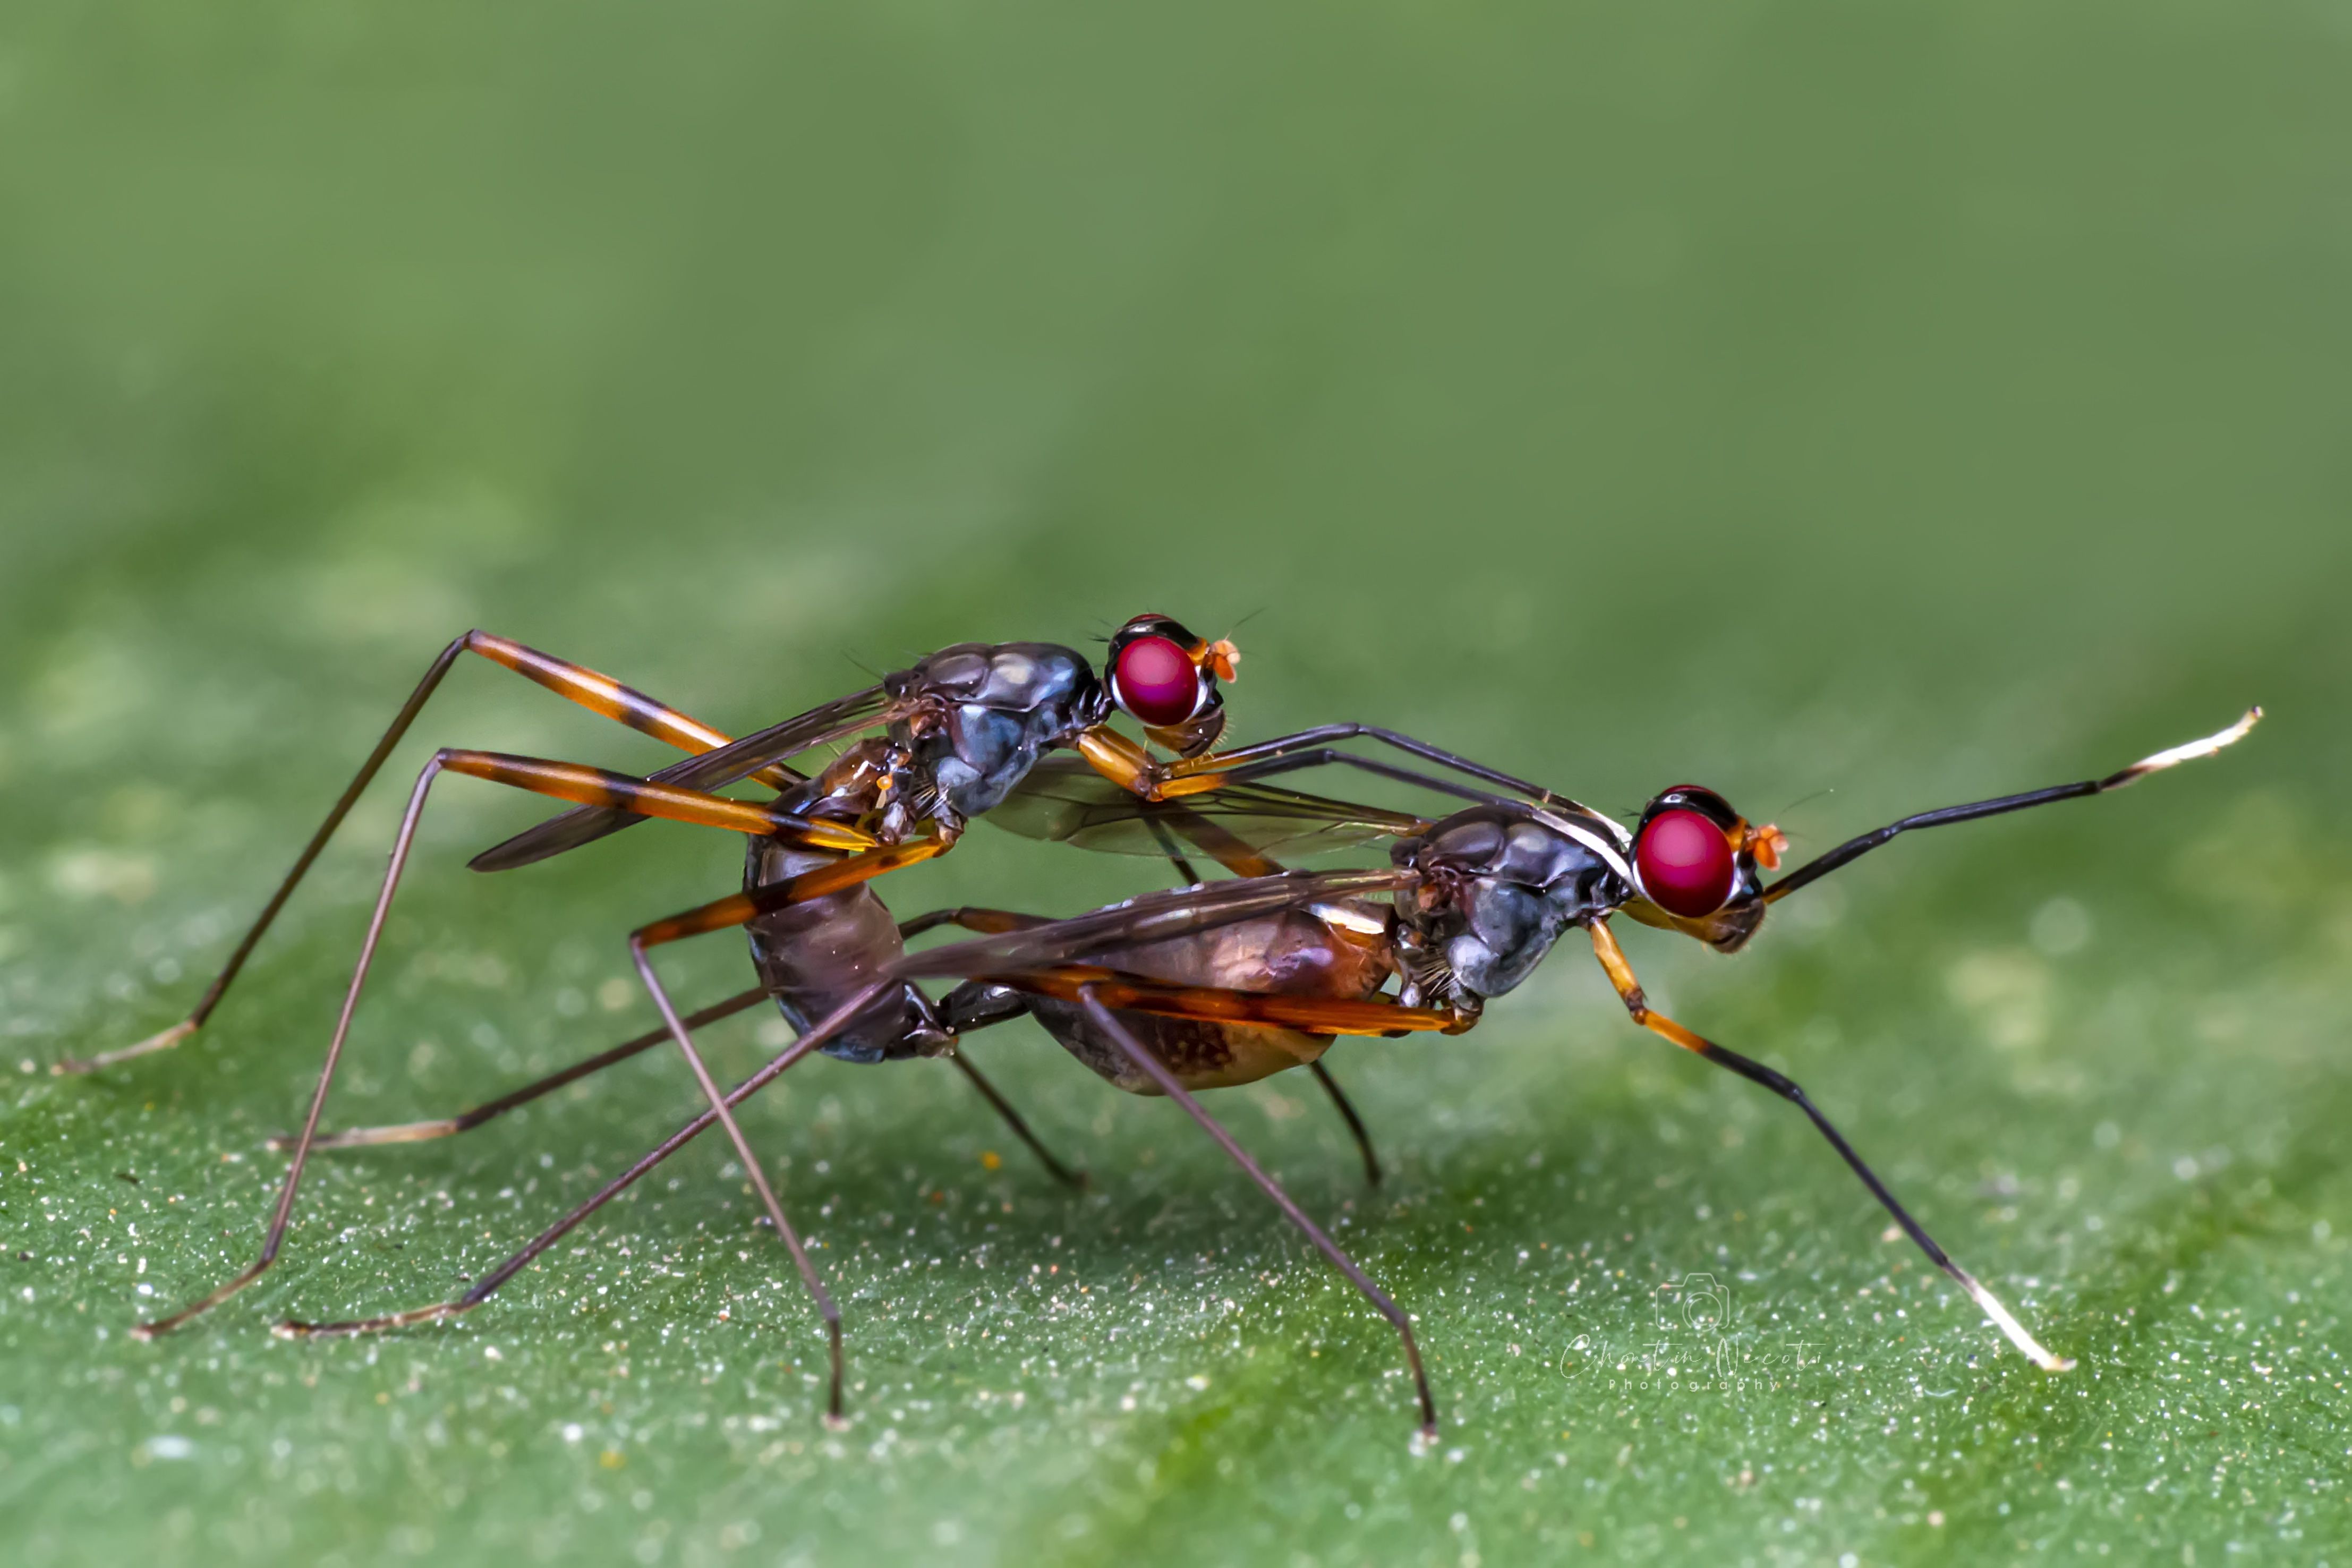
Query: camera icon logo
{"points": [[1707, 1313], [1706, 1305]]}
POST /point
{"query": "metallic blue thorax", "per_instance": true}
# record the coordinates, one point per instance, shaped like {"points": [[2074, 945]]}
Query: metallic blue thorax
{"points": [[1005, 705], [1514, 882]]}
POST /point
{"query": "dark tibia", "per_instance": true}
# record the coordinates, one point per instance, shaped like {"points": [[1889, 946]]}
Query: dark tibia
{"points": [[465, 1121], [833, 1024], [1354, 1122], [1020, 1126], [1187, 876], [1330, 756], [573, 682], [1151, 1067], [976, 1004], [1756, 1072], [1853, 848], [988, 923], [1304, 739], [544, 776], [284, 1211], [640, 951], [1629, 990]]}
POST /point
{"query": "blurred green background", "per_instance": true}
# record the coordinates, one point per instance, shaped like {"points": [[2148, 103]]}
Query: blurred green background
{"points": [[1856, 407]]}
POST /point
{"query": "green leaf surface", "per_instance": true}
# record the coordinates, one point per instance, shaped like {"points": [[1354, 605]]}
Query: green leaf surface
{"points": [[1856, 409]]}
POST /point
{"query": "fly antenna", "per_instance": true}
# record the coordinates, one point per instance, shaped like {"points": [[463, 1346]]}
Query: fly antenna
{"points": [[1853, 849], [1804, 800]]}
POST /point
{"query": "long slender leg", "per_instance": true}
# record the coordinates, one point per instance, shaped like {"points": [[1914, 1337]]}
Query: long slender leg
{"points": [[1168, 847], [1347, 1113], [1122, 760], [599, 693], [1014, 1119], [833, 1024], [989, 922], [751, 1164], [616, 790], [1314, 1013], [602, 694], [719, 915], [753, 756], [1108, 1022], [1228, 849], [326, 1077], [1331, 756], [651, 797], [467, 1121], [1245, 861], [1322, 734], [1823, 865], [994, 920], [736, 908], [1620, 976]]}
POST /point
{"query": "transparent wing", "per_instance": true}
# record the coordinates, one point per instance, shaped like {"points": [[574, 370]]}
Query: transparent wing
{"points": [[1065, 801], [726, 764], [1155, 917]]}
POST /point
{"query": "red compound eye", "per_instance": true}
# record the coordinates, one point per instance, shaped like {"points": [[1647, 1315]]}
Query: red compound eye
{"points": [[1686, 863], [1156, 682]]}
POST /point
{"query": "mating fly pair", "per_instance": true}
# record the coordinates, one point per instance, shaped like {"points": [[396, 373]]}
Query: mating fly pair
{"points": [[926, 750], [1206, 987]]}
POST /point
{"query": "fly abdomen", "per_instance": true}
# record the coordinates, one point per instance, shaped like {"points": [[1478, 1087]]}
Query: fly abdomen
{"points": [[816, 954]]}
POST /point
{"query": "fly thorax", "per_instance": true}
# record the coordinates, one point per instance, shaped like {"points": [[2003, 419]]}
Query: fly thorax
{"points": [[985, 714], [911, 796], [852, 787], [1505, 929], [988, 751], [1499, 884], [1427, 976]]}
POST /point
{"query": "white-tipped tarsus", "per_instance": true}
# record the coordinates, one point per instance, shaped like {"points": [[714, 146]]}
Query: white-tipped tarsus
{"points": [[2027, 1345], [363, 1137], [161, 1040], [2190, 753]]}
